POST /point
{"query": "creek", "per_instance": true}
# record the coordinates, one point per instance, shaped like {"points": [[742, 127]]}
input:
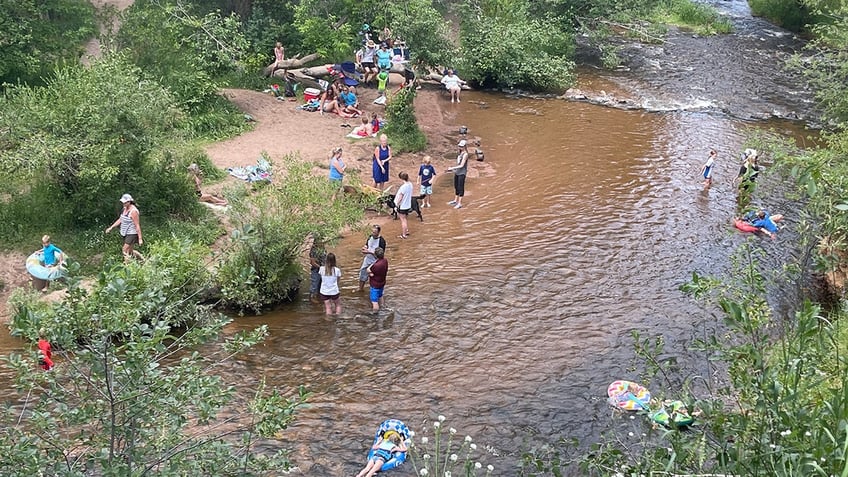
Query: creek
{"points": [[511, 315]]}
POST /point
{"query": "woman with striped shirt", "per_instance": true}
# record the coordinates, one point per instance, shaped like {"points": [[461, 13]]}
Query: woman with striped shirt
{"points": [[130, 227]]}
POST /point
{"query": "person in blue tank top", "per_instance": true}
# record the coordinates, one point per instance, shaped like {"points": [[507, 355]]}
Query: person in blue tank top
{"points": [[337, 167], [384, 448]]}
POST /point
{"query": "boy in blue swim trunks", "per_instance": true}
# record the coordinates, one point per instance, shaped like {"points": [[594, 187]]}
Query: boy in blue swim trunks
{"points": [[377, 272], [426, 173], [383, 450]]}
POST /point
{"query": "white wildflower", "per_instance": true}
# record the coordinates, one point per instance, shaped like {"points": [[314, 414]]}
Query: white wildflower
{"points": [[426, 456], [773, 446], [436, 425], [454, 457], [441, 418], [490, 468], [447, 473], [808, 434], [630, 434], [411, 434], [452, 430], [473, 446], [467, 438], [632, 417], [424, 440], [424, 472], [478, 465]]}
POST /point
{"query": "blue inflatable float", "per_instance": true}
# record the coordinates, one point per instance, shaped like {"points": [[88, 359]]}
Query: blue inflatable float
{"points": [[385, 430], [35, 266]]}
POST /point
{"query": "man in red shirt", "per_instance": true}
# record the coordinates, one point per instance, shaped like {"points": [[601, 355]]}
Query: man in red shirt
{"points": [[377, 272]]}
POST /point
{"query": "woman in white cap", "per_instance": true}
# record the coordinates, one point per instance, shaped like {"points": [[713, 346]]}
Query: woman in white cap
{"points": [[459, 172], [130, 227]]}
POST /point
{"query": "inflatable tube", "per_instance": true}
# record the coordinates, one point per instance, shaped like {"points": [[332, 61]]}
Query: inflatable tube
{"points": [[629, 396], [388, 426], [744, 226], [673, 414], [35, 267]]}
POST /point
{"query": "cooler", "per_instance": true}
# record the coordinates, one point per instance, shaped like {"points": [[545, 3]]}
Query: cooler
{"points": [[311, 93]]}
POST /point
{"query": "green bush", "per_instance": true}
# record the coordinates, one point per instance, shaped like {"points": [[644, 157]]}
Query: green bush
{"points": [[524, 53], [39, 35], [789, 14], [132, 390], [85, 138], [401, 125], [704, 18], [261, 265]]}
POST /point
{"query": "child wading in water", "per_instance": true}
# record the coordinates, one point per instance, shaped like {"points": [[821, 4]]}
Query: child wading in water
{"points": [[426, 173], [384, 448], [707, 170]]}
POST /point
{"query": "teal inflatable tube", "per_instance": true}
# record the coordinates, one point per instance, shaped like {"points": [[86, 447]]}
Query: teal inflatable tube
{"points": [[35, 267]]}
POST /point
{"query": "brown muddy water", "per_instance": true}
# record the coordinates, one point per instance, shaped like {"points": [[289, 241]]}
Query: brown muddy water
{"points": [[512, 315]]}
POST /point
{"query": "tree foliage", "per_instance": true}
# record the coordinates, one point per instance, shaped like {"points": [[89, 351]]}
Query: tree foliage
{"points": [[36, 35], [86, 137], [503, 46], [263, 263], [131, 394], [401, 125]]}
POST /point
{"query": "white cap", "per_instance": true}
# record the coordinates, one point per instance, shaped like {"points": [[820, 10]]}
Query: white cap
{"points": [[126, 198], [462, 143]]}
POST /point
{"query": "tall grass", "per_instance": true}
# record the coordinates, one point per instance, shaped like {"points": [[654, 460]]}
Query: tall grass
{"points": [[702, 18]]}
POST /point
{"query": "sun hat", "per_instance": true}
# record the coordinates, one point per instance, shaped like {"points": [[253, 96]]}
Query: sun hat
{"points": [[462, 143], [371, 44], [126, 198]]}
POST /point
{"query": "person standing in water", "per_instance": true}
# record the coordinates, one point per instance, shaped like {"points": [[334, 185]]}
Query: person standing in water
{"points": [[460, 170], [707, 170], [373, 242], [377, 273], [426, 173]]}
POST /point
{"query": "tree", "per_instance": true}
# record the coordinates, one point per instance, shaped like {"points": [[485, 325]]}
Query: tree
{"points": [[503, 46], [134, 394], [262, 265], [34, 36], [86, 137]]}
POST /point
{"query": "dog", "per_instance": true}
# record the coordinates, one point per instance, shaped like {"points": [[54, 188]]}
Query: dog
{"points": [[389, 201]]}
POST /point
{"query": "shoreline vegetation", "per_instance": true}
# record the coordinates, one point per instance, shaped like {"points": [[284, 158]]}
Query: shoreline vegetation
{"points": [[73, 139]]}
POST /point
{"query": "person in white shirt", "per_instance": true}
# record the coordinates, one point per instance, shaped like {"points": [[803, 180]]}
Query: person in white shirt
{"points": [[403, 202], [329, 293], [453, 84]]}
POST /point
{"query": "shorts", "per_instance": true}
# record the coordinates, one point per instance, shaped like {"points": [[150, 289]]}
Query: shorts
{"points": [[426, 189], [329, 297], [383, 454], [363, 274], [314, 282], [404, 211], [376, 294], [131, 239], [708, 173], [368, 64]]}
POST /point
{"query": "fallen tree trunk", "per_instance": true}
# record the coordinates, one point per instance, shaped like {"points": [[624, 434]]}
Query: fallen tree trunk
{"points": [[291, 63], [324, 70]]}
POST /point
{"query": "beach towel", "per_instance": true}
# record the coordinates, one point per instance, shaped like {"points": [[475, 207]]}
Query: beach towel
{"points": [[260, 172]]}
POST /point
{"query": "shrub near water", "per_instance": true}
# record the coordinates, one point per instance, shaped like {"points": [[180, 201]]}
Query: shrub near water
{"points": [[401, 126], [262, 264]]}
